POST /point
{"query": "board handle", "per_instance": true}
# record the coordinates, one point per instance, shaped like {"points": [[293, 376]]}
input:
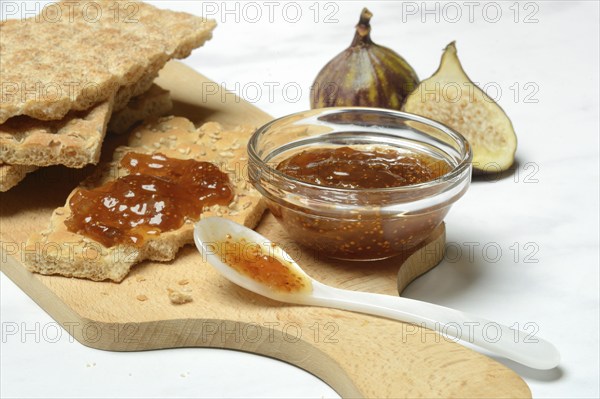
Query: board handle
{"points": [[497, 338]]}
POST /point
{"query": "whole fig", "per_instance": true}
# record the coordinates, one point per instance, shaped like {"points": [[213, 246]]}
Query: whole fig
{"points": [[365, 74]]}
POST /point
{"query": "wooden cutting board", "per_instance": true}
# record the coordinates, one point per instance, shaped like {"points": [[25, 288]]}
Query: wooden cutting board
{"points": [[358, 355]]}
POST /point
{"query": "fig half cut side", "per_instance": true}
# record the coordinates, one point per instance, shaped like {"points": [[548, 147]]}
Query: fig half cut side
{"points": [[450, 97]]}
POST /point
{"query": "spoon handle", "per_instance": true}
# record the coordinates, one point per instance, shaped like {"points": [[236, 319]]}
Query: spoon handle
{"points": [[500, 339]]}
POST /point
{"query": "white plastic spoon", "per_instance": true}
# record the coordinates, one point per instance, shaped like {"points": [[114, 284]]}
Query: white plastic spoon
{"points": [[211, 233]]}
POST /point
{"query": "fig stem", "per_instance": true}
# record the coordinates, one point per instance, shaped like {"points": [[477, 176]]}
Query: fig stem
{"points": [[363, 29]]}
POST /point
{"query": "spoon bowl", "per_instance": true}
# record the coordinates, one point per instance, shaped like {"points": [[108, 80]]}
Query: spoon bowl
{"points": [[212, 234], [253, 262]]}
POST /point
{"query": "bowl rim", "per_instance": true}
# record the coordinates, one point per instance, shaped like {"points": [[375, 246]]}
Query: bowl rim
{"points": [[456, 172]]}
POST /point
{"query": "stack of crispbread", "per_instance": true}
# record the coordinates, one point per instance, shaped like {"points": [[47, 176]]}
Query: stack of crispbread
{"points": [[174, 137], [67, 72]]}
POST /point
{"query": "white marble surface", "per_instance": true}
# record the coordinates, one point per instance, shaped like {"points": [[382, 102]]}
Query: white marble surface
{"points": [[548, 207]]}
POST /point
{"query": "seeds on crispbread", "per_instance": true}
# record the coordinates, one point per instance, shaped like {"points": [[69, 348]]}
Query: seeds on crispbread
{"points": [[174, 137]]}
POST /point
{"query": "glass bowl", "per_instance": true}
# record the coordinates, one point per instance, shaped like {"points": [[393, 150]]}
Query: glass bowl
{"points": [[358, 224]]}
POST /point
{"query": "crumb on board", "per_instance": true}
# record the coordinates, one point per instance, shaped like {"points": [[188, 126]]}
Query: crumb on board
{"points": [[178, 298], [183, 282], [141, 298]]}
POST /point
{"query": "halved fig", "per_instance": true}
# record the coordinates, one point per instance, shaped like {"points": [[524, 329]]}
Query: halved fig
{"points": [[450, 97]]}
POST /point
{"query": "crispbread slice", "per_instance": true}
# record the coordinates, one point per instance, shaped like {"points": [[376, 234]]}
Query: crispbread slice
{"points": [[127, 93], [79, 53], [154, 103], [11, 175], [74, 141], [59, 251]]}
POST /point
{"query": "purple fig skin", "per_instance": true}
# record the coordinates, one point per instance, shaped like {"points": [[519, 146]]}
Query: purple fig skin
{"points": [[365, 75]]}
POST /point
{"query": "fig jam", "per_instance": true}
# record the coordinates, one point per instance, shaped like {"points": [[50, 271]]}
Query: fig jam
{"points": [[355, 235], [157, 196], [252, 260], [346, 167]]}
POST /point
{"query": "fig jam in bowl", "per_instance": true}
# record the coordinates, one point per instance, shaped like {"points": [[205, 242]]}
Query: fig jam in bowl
{"points": [[359, 183]]}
